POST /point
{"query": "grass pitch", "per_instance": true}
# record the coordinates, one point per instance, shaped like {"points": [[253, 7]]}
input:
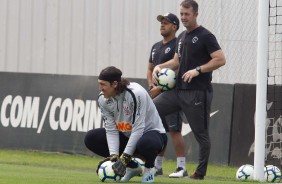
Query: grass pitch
{"points": [[32, 167]]}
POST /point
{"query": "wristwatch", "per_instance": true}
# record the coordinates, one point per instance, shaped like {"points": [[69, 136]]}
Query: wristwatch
{"points": [[198, 69]]}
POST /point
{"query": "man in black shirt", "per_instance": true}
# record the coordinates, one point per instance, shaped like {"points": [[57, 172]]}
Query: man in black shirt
{"points": [[161, 52], [197, 55]]}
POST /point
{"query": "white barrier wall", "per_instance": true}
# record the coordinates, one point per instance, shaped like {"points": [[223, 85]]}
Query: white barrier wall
{"points": [[80, 37]]}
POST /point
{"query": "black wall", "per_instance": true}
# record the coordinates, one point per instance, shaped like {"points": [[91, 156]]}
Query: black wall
{"points": [[243, 124]]}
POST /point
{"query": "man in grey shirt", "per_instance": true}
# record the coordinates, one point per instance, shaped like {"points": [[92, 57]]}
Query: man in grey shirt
{"points": [[132, 126]]}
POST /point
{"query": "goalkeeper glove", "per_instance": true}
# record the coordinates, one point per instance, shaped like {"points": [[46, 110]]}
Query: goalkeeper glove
{"points": [[120, 166], [112, 158]]}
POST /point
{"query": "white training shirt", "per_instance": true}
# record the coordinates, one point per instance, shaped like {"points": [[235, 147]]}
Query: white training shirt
{"points": [[133, 113]]}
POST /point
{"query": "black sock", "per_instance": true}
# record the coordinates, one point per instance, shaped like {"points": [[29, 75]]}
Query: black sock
{"points": [[132, 164]]}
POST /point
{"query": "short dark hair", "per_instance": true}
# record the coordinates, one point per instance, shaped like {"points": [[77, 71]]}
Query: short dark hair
{"points": [[189, 4], [112, 74]]}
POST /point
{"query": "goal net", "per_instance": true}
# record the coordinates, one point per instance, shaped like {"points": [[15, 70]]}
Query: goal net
{"points": [[274, 88]]}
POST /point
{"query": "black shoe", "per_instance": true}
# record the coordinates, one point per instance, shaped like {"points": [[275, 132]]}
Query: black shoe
{"points": [[196, 176]]}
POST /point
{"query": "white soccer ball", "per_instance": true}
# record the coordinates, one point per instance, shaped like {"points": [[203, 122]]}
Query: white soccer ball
{"points": [[106, 172], [139, 162], [272, 173], [167, 79], [245, 172]]}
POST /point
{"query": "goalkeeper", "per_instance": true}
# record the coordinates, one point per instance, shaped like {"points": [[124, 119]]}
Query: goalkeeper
{"points": [[132, 126]]}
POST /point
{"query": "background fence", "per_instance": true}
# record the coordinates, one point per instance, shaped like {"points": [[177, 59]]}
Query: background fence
{"points": [[80, 37]]}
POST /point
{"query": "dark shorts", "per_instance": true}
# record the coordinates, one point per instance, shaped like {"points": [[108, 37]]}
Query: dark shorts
{"points": [[195, 104], [174, 122], [149, 145]]}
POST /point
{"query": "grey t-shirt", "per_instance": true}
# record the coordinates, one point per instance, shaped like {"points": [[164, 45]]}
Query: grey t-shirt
{"points": [[133, 113]]}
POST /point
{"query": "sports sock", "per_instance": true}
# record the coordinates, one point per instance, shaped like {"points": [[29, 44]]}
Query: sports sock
{"points": [[159, 162], [181, 162]]}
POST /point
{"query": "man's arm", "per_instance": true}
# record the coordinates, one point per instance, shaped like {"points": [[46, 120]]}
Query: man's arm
{"points": [[172, 64], [149, 74], [218, 60], [153, 90], [112, 133]]}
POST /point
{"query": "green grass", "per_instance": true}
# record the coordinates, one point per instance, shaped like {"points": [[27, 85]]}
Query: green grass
{"points": [[32, 167]]}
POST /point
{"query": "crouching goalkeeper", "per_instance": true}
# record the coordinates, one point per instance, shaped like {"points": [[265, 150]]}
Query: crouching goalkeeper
{"points": [[132, 126]]}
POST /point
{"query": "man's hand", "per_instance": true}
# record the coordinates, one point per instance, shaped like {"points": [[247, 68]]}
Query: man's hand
{"points": [[156, 70], [112, 158], [119, 166], [188, 76], [155, 91]]}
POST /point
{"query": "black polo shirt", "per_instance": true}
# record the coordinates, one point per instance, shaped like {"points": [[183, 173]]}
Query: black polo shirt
{"points": [[194, 49], [161, 53]]}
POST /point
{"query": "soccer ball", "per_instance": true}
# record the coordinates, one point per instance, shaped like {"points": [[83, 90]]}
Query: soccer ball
{"points": [[167, 79], [106, 172], [139, 162], [245, 172], [272, 173]]}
